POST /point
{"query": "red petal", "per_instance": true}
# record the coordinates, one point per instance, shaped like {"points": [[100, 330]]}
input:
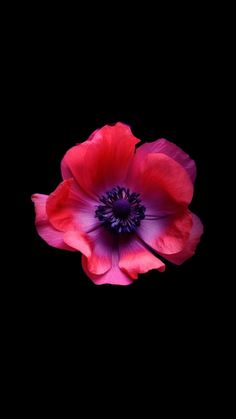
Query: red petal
{"points": [[45, 229], [166, 190], [160, 174], [101, 162], [190, 247], [68, 208], [167, 235], [70, 212], [114, 276], [103, 247], [171, 150], [136, 259], [78, 241], [96, 245]]}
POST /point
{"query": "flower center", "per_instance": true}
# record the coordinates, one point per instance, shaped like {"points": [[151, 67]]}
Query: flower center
{"points": [[121, 208], [121, 211]]}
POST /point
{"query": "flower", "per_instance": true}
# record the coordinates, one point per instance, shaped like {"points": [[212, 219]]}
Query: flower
{"points": [[121, 207]]}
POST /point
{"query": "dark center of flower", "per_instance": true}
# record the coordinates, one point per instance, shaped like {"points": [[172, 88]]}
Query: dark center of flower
{"points": [[121, 208], [121, 211]]}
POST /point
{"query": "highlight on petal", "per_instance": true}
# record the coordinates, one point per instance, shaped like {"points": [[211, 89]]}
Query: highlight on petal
{"points": [[170, 149], [190, 247], [102, 161], [113, 276], [96, 245], [102, 245], [45, 230], [167, 235], [68, 208], [136, 259], [79, 241]]}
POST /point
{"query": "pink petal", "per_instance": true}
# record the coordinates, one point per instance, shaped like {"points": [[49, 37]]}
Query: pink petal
{"points": [[101, 162], [96, 245], [68, 208], [45, 229], [171, 150], [71, 211], [136, 259], [78, 241], [190, 247], [114, 276], [168, 234], [102, 247]]}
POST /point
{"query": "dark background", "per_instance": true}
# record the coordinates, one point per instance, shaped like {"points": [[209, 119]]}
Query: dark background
{"points": [[68, 74], [63, 89], [63, 92]]}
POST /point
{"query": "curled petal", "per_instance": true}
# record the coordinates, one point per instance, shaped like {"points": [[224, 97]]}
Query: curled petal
{"points": [[97, 246], [114, 276], [102, 246], [136, 259], [44, 228], [79, 241], [190, 247]]}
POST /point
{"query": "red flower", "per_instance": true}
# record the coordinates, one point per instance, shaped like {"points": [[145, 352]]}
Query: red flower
{"points": [[120, 207]]}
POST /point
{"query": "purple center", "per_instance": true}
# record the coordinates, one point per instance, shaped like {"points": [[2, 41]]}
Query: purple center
{"points": [[121, 208], [121, 211]]}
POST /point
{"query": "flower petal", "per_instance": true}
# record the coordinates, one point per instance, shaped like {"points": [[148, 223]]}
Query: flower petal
{"points": [[160, 174], [97, 246], [101, 162], [166, 190], [45, 229], [73, 214], [102, 247], [136, 259], [168, 234], [79, 241], [68, 208], [171, 150], [190, 247], [114, 276]]}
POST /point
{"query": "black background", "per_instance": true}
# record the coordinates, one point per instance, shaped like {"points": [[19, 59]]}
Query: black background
{"points": [[67, 75], [63, 88], [62, 94]]}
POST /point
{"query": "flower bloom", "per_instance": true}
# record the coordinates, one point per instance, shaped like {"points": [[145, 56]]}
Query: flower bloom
{"points": [[121, 207]]}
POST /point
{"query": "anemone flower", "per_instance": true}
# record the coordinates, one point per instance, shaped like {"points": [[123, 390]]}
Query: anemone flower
{"points": [[122, 207]]}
